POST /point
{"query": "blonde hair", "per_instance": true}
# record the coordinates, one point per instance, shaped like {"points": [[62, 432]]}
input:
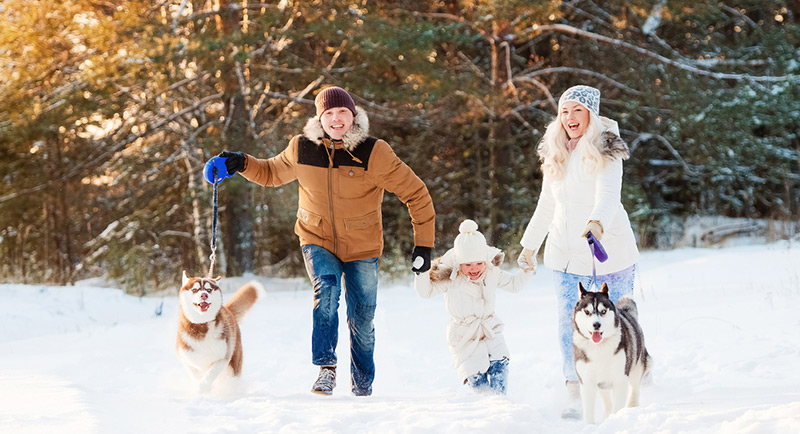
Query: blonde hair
{"points": [[553, 151]]}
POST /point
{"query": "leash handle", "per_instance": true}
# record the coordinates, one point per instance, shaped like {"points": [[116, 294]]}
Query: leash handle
{"points": [[597, 251]]}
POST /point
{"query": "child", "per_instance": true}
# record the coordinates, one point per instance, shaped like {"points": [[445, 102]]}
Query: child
{"points": [[468, 275]]}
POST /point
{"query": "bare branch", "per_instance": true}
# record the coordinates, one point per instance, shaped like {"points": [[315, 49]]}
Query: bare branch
{"points": [[92, 162], [736, 12], [522, 120], [313, 84], [245, 95], [509, 84], [229, 116], [203, 14], [294, 100], [439, 15], [647, 136], [178, 14], [562, 28], [542, 87], [654, 20], [578, 11], [473, 67], [560, 69]]}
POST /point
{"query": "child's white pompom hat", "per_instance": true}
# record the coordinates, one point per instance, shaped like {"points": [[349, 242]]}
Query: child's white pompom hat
{"points": [[470, 245]]}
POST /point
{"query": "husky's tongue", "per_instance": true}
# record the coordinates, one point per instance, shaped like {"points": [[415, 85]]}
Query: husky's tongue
{"points": [[596, 336], [203, 306]]}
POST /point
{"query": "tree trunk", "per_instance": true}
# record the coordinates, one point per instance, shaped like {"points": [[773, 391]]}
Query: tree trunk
{"points": [[238, 208], [499, 139], [194, 188]]}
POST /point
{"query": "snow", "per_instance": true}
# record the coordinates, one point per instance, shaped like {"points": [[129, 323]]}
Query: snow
{"points": [[721, 325]]}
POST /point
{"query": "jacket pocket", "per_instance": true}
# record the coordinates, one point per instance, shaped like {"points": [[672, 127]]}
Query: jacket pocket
{"points": [[364, 234], [352, 182], [308, 218]]}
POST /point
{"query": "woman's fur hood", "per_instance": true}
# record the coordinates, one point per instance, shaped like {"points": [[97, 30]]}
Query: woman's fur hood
{"points": [[609, 143], [446, 268], [357, 133]]}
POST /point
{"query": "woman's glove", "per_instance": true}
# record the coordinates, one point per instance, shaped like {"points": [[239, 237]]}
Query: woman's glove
{"points": [[527, 260]]}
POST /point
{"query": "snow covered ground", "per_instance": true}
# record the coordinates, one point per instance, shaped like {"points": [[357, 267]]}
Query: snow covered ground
{"points": [[721, 324]]}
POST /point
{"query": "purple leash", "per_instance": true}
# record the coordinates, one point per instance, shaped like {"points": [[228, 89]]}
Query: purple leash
{"points": [[598, 252]]}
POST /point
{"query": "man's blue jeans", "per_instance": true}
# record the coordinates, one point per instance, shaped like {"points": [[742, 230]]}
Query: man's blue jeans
{"points": [[620, 284], [361, 291]]}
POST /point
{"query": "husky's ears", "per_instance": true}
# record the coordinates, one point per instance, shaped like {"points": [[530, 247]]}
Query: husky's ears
{"points": [[604, 289], [582, 289], [184, 279]]}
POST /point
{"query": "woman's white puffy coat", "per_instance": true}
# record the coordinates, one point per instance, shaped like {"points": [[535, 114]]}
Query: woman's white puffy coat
{"points": [[474, 334], [566, 205]]}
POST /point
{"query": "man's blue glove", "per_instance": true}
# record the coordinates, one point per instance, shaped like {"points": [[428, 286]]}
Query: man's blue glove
{"points": [[226, 165]]}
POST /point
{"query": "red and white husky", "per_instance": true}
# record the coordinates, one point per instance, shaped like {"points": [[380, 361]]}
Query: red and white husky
{"points": [[209, 340]]}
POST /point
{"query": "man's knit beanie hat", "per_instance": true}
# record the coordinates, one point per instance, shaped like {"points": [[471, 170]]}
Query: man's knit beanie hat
{"points": [[334, 97]]}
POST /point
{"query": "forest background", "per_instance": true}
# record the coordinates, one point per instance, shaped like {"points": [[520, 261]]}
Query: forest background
{"points": [[110, 108]]}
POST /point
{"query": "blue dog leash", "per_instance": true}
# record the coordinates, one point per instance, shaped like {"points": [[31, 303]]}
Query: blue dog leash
{"points": [[213, 256]]}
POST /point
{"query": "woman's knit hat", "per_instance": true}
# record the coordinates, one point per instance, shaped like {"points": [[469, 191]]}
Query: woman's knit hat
{"points": [[333, 97], [470, 245], [588, 96]]}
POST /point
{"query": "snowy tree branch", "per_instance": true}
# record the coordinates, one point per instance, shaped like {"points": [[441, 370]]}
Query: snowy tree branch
{"points": [[560, 69], [541, 87], [93, 162], [647, 136], [562, 28]]}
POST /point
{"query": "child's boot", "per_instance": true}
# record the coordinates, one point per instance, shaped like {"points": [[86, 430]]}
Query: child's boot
{"points": [[478, 382], [498, 374]]}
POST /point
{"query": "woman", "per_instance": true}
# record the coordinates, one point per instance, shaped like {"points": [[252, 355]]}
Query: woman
{"points": [[581, 155]]}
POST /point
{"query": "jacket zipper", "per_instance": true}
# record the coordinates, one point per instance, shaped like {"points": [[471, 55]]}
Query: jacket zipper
{"points": [[330, 200]]}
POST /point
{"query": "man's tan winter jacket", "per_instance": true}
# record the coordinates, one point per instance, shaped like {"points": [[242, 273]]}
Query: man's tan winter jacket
{"points": [[341, 189]]}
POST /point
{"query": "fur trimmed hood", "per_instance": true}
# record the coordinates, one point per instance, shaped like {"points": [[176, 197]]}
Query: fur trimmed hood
{"points": [[609, 143], [612, 146], [445, 267], [357, 133]]}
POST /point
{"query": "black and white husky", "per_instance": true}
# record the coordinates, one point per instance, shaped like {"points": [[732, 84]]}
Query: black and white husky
{"points": [[610, 356]]}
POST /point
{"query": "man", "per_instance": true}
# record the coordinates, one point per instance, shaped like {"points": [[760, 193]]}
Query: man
{"points": [[342, 173]]}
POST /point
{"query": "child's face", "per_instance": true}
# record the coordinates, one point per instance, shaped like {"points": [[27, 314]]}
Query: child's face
{"points": [[473, 270]]}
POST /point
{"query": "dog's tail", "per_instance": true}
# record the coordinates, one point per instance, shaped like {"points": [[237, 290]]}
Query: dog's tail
{"points": [[245, 298], [627, 305]]}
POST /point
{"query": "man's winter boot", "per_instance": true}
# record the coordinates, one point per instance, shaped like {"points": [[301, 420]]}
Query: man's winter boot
{"points": [[498, 374], [326, 381]]}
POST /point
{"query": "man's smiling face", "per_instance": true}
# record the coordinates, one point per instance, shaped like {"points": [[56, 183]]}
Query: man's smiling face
{"points": [[336, 121]]}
